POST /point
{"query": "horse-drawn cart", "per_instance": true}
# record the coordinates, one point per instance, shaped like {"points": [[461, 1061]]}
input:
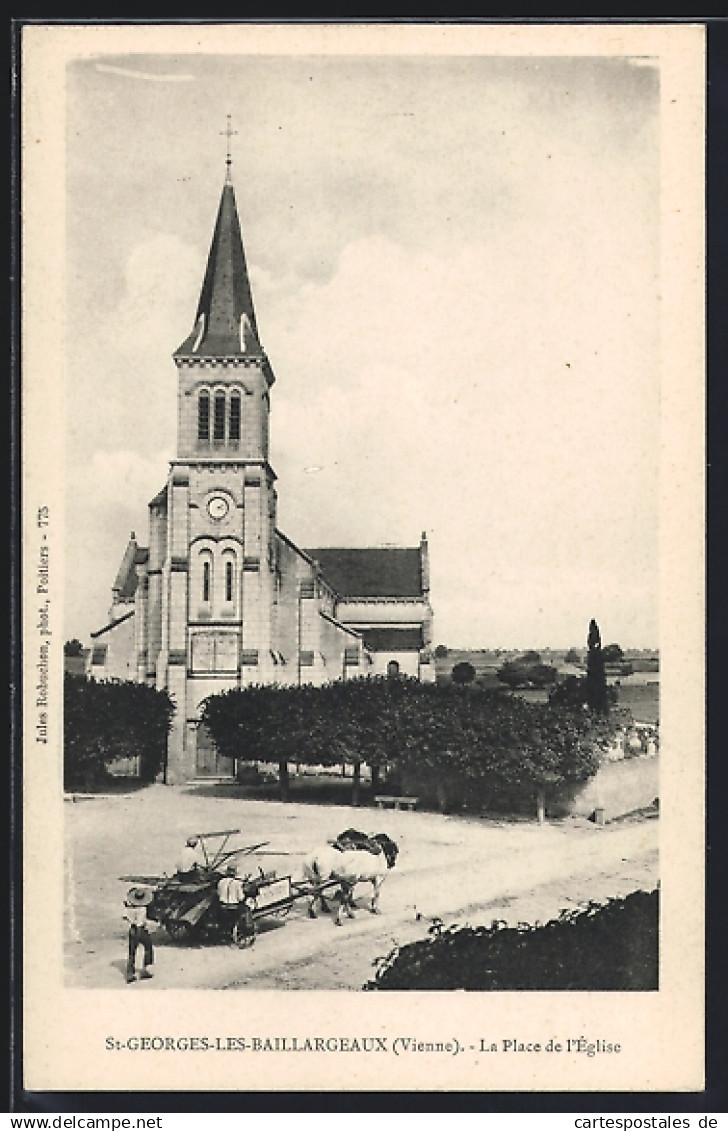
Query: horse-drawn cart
{"points": [[188, 906]]}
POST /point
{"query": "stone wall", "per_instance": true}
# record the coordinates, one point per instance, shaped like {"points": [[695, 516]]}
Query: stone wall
{"points": [[617, 788]]}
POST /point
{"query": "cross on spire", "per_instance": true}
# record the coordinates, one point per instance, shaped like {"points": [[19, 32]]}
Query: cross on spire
{"points": [[228, 133]]}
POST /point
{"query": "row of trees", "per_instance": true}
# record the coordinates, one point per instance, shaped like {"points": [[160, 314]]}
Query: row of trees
{"points": [[469, 742], [104, 721], [613, 654], [528, 669]]}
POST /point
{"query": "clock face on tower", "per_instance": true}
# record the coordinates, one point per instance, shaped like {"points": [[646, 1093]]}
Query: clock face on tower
{"points": [[217, 507]]}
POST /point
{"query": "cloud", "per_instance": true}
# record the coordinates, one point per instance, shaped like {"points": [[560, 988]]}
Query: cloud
{"points": [[468, 359], [123, 478], [127, 72], [105, 501], [123, 372], [509, 409], [162, 276]]}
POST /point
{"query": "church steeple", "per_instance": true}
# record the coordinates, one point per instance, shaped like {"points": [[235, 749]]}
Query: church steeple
{"points": [[225, 323]]}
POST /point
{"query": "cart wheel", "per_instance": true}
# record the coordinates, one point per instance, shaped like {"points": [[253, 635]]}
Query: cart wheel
{"points": [[244, 930], [177, 929]]}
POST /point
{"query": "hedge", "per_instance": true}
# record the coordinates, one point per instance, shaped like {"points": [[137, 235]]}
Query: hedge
{"points": [[105, 720], [613, 946], [476, 741]]}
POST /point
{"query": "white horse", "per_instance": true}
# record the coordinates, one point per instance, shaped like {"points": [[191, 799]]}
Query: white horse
{"points": [[350, 867]]}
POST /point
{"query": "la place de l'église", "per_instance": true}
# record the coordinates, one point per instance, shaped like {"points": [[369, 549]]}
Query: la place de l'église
{"points": [[220, 598]]}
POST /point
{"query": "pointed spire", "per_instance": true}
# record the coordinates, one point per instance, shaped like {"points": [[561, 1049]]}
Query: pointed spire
{"points": [[225, 323]]}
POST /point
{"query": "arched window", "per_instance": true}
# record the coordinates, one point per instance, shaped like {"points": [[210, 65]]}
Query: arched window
{"points": [[234, 433], [219, 423], [229, 578], [203, 416], [393, 669], [206, 581]]}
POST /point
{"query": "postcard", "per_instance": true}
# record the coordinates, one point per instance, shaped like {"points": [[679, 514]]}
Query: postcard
{"points": [[362, 537]]}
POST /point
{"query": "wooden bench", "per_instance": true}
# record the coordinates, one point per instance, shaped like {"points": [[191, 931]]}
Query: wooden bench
{"points": [[386, 802]]}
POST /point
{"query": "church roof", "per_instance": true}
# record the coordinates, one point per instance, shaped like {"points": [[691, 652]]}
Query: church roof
{"points": [[112, 624], [393, 639], [126, 582], [380, 572], [160, 499], [127, 578], [337, 624], [225, 321]]}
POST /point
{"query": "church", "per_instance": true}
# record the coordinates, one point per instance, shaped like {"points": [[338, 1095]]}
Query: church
{"points": [[220, 598]]}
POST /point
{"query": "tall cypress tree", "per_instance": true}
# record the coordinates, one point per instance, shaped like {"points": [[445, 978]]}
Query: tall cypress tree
{"points": [[596, 679]]}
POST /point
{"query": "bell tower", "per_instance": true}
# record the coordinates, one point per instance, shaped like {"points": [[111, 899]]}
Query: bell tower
{"points": [[217, 578]]}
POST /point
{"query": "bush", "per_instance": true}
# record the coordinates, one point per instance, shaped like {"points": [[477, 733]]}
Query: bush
{"points": [[572, 694], [111, 719], [609, 947], [462, 673], [526, 673]]}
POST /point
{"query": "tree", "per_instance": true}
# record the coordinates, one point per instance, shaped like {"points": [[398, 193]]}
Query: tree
{"points": [[612, 654], [572, 657], [463, 673], [569, 693], [441, 652], [596, 679], [107, 720], [73, 647], [512, 674], [517, 673], [344, 722]]}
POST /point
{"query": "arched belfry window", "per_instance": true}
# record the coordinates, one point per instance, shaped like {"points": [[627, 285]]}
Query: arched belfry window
{"points": [[234, 432], [203, 416], [219, 420], [206, 580], [229, 580]]}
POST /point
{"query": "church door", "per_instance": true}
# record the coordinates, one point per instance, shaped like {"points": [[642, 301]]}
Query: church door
{"points": [[210, 764]]}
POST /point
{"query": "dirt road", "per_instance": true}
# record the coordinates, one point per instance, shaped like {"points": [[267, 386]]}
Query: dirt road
{"points": [[459, 869]]}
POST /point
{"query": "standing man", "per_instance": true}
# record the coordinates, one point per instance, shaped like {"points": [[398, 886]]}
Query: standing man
{"points": [[136, 915]]}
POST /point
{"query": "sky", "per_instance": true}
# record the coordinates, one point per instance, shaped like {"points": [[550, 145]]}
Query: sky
{"points": [[455, 270]]}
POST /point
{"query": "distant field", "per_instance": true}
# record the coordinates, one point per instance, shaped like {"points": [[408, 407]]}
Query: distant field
{"points": [[640, 692], [642, 699], [485, 663]]}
